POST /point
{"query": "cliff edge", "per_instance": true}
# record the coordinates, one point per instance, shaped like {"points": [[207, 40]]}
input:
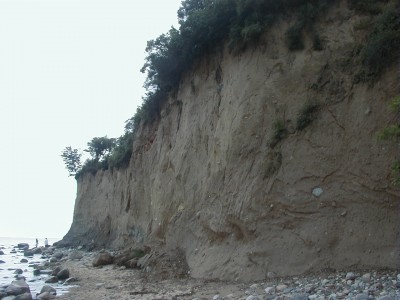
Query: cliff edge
{"points": [[262, 161]]}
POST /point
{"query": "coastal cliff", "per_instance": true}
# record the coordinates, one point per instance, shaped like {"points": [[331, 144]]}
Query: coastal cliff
{"points": [[265, 160]]}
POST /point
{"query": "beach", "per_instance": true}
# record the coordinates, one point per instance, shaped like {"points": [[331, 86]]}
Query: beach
{"points": [[104, 275], [118, 282]]}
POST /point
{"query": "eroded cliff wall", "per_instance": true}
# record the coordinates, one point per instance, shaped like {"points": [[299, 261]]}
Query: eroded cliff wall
{"points": [[208, 178]]}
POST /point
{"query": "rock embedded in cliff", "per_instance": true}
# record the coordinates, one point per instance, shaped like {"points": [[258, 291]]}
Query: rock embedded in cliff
{"points": [[317, 191], [102, 259]]}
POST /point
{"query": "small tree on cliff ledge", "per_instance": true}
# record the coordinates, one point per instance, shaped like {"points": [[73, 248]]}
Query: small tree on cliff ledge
{"points": [[72, 160]]}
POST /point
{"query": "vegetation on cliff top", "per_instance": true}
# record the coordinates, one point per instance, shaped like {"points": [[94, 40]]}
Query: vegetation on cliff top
{"points": [[205, 26]]}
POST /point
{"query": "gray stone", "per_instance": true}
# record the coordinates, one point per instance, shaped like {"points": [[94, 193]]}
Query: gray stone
{"points": [[28, 253], [53, 260], [24, 260], [58, 255], [25, 296], [217, 297], [309, 288], [317, 191], [350, 276], [366, 278], [269, 290], [63, 274], [271, 275], [70, 280], [299, 297], [17, 287], [281, 287], [1, 252], [252, 297], [20, 277], [2, 261], [22, 246], [36, 272], [361, 297], [75, 254], [52, 279], [49, 289], [55, 271], [18, 271], [102, 259], [46, 296]]}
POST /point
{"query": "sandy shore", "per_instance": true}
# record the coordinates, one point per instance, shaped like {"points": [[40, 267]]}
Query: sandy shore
{"points": [[114, 282]]}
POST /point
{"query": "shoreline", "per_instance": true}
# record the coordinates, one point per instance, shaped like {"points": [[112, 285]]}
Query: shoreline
{"points": [[112, 279], [115, 282]]}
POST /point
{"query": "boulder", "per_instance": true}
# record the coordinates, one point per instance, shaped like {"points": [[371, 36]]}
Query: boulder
{"points": [[55, 271], [24, 260], [28, 252], [52, 279], [1, 252], [132, 263], [70, 281], [36, 272], [17, 287], [18, 271], [23, 246], [24, 296], [129, 254], [58, 255], [75, 254], [2, 262], [20, 277], [102, 259], [63, 274], [46, 296], [53, 260], [48, 289], [36, 250]]}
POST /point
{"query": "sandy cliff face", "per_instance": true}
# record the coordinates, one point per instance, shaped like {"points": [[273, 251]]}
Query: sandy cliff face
{"points": [[206, 179]]}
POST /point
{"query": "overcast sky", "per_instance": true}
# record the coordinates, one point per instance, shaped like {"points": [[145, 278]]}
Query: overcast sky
{"points": [[69, 71]]}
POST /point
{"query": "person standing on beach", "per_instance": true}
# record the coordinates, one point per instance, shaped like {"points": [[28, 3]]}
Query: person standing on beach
{"points": [[46, 242], [37, 243]]}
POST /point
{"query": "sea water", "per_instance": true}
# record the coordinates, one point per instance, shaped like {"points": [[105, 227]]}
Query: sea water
{"points": [[12, 261]]}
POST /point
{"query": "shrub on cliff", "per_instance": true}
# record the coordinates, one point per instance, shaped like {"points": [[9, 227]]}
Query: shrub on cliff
{"points": [[382, 45]]}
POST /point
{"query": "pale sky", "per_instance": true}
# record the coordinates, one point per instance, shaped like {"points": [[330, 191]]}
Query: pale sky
{"points": [[69, 71]]}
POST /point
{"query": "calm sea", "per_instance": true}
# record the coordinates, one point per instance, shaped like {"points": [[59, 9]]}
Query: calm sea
{"points": [[12, 261]]}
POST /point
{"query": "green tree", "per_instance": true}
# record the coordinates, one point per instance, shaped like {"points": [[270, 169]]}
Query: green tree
{"points": [[72, 160], [100, 147]]}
